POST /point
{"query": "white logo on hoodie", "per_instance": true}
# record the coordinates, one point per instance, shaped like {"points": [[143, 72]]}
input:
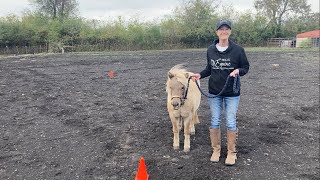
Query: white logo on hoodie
{"points": [[221, 64]]}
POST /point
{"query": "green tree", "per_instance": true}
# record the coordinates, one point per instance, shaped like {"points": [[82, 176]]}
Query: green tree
{"points": [[152, 36], [227, 11], [136, 34], [276, 11], [115, 35], [37, 24], [89, 31], [168, 30], [56, 8], [249, 30], [298, 24], [12, 33], [196, 21]]}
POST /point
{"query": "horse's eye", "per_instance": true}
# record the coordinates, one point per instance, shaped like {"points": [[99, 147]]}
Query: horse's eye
{"points": [[182, 87]]}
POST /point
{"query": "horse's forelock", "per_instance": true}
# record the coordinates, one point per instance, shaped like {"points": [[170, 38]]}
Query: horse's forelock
{"points": [[180, 76], [179, 72]]}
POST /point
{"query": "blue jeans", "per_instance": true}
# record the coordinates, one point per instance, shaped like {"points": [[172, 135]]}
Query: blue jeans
{"points": [[231, 108]]}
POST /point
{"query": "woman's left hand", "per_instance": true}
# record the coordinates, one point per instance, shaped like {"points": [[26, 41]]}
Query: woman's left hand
{"points": [[234, 73]]}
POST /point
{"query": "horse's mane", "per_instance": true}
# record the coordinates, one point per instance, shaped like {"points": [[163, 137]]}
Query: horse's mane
{"points": [[178, 69]]}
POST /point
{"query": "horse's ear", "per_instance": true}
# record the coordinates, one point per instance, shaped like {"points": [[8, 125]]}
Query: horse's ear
{"points": [[170, 75], [187, 75]]}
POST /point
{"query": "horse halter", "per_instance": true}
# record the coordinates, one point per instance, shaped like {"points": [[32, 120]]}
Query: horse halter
{"points": [[185, 94], [182, 99]]}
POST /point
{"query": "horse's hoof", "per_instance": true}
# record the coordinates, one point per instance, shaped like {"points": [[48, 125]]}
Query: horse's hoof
{"points": [[176, 147], [192, 132], [186, 150]]}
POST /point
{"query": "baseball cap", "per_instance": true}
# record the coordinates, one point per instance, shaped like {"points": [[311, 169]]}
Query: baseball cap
{"points": [[223, 22]]}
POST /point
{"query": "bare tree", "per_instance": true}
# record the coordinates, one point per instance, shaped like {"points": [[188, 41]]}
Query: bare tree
{"points": [[56, 8], [276, 10]]}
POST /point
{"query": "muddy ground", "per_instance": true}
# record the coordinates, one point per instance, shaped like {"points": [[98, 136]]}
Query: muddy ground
{"points": [[63, 117]]}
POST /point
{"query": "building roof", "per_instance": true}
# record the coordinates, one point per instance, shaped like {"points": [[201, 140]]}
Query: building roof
{"points": [[309, 34]]}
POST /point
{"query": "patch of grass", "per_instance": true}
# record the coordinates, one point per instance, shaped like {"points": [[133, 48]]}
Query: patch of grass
{"points": [[247, 49], [278, 49]]}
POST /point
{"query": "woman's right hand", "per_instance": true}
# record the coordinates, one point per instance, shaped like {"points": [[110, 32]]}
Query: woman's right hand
{"points": [[196, 77]]}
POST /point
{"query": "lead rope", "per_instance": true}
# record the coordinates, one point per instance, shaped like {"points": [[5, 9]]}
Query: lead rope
{"points": [[186, 94], [236, 87]]}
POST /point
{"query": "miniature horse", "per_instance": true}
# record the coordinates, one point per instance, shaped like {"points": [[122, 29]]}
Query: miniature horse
{"points": [[182, 103]]}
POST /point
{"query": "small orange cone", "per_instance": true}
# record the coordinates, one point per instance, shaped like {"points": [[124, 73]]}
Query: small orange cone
{"points": [[142, 173], [111, 74]]}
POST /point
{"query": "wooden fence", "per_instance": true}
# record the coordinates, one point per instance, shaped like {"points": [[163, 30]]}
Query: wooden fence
{"points": [[23, 50]]}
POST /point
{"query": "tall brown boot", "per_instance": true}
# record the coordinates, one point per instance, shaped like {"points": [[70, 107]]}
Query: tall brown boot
{"points": [[232, 153], [215, 136]]}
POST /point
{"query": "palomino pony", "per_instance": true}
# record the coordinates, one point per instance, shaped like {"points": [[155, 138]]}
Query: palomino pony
{"points": [[183, 103]]}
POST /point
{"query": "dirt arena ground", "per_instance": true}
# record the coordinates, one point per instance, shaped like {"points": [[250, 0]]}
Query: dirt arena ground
{"points": [[62, 117]]}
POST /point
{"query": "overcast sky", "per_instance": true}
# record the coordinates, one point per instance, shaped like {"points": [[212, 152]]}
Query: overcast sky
{"points": [[144, 9]]}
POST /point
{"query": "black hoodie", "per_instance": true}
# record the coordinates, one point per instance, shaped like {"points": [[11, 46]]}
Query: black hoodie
{"points": [[221, 64]]}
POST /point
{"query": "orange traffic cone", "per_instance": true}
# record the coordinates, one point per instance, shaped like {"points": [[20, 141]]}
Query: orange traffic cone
{"points": [[111, 74], [142, 173]]}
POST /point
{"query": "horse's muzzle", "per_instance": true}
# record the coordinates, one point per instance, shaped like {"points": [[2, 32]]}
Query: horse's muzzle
{"points": [[176, 105], [176, 102]]}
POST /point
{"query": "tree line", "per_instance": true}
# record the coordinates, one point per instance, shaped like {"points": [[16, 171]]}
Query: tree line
{"points": [[192, 25]]}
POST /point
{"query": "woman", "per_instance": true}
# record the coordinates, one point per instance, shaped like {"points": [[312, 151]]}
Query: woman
{"points": [[224, 58]]}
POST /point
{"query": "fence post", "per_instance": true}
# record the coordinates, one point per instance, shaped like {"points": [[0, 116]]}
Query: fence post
{"points": [[17, 50]]}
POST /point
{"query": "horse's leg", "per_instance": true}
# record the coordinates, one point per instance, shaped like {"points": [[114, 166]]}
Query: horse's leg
{"points": [[180, 123], [195, 120], [192, 128], [175, 129], [187, 121]]}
